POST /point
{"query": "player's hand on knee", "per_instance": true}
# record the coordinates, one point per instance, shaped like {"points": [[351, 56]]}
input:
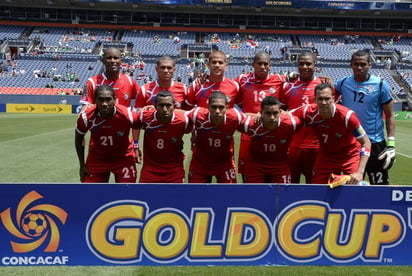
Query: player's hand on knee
{"points": [[355, 178]]}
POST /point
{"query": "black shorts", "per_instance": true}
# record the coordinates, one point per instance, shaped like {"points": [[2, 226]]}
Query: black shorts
{"points": [[376, 174]]}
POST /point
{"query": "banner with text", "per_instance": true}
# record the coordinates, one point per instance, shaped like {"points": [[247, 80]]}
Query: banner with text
{"points": [[39, 108], [165, 224]]}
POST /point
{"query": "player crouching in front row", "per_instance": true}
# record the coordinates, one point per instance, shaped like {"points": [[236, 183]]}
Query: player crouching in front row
{"points": [[344, 145]]}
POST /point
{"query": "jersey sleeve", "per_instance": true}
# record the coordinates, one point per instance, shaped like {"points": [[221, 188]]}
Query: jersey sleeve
{"points": [[244, 124], [136, 89], [385, 95], [81, 123], [191, 94], [140, 98], [88, 96], [354, 125]]}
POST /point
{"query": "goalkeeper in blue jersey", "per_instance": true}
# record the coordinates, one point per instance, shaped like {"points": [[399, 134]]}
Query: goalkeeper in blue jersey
{"points": [[369, 96]]}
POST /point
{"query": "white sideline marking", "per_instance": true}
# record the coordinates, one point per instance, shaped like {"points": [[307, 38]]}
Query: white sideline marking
{"points": [[408, 156]]}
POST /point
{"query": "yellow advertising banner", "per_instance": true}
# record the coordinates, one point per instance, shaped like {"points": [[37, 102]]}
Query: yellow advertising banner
{"points": [[39, 108]]}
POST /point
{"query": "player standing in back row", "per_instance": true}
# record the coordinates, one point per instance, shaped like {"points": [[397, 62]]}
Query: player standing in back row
{"points": [[305, 145], [198, 94], [254, 87], [126, 89], [370, 97]]}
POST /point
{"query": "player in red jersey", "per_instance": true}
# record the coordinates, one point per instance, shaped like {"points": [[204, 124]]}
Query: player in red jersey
{"points": [[344, 145], [163, 144], [124, 86], [270, 138], [305, 145], [214, 147], [254, 87], [199, 93], [110, 149], [165, 69]]}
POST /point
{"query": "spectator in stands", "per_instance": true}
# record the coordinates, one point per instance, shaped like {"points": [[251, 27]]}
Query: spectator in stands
{"points": [[125, 87], [344, 145], [110, 148], [63, 100], [369, 96]]}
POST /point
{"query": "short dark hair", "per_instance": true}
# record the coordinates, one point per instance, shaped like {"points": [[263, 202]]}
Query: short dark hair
{"points": [[164, 58], [309, 54], [164, 94], [361, 53], [104, 87], [261, 54], [269, 100], [218, 95], [322, 86]]}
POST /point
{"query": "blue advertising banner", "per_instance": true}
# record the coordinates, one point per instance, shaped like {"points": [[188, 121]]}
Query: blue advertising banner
{"points": [[162, 224]]}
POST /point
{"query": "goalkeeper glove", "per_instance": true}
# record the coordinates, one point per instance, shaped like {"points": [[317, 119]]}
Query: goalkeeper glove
{"points": [[337, 180], [389, 154]]}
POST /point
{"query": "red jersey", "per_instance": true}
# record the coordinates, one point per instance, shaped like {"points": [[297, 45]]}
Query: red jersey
{"points": [[125, 88], [109, 138], [198, 94], [270, 147], [253, 91], [336, 134], [163, 144], [294, 95], [151, 89], [214, 144]]}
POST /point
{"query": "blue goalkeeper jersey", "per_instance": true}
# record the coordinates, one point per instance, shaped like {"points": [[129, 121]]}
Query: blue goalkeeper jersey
{"points": [[366, 99]]}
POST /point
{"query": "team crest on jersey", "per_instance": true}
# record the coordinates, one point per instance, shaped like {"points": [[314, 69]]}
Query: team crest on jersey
{"points": [[173, 140], [125, 96], [228, 137], [338, 135], [272, 90], [282, 141], [120, 133]]}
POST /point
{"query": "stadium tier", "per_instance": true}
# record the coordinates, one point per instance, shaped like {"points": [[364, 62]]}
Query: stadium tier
{"points": [[53, 60]]}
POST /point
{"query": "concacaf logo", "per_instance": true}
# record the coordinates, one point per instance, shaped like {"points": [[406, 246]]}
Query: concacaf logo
{"points": [[34, 225]]}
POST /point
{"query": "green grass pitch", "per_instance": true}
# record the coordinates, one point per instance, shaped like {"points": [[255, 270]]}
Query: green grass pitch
{"points": [[39, 148]]}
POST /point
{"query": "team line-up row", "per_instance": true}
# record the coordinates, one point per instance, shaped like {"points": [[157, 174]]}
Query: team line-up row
{"points": [[290, 126]]}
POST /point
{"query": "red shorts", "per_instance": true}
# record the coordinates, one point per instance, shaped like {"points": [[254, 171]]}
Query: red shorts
{"points": [[151, 174], [124, 171], [301, 162], [244, 155], [279, 173], [325, 165], [225, 172]]}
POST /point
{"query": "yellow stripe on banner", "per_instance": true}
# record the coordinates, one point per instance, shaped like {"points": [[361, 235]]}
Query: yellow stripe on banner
{"points": [[39, 108]]}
